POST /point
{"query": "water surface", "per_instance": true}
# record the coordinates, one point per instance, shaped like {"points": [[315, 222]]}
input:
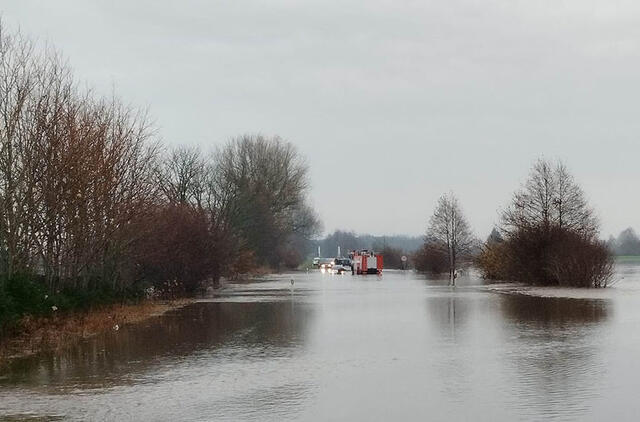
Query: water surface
{"points": [[396, 347]]}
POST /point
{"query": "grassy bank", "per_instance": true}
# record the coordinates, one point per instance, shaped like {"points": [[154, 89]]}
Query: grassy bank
{"points": [[23, 296], [33, 335], [34, 319], [628, 259]]}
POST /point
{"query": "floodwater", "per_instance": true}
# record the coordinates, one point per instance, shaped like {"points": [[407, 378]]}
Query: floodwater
{"points": [[353, 348]]}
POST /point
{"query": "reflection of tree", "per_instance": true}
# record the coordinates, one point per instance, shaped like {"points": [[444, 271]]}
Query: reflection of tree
{"points": [[262, 328], [465, 278], [450, 314], [539, 311], [553, 346]]}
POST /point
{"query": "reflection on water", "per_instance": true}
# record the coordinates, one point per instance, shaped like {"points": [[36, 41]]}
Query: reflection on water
{"points": [[559, 364], [254, 329], [554, 312], [350, 348]]}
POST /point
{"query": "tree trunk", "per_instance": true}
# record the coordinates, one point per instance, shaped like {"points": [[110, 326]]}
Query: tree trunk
{"points": [[452, 267]]}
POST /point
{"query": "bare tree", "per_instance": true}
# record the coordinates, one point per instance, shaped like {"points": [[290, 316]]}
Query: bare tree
{"points": [[75, 172], [551, 198], [17, 84], [571, 210], [449, 229], [182, 176]]}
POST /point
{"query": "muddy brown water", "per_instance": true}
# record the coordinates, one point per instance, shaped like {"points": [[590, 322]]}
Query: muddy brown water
{"points": [[396, 347]]}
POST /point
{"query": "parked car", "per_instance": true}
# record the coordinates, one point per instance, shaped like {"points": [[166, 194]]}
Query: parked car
{"points": [[325, 263], [341, 265]]}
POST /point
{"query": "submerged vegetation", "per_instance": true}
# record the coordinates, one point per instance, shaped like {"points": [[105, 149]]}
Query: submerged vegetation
{"points": [[60, 331], [449, 241], [549, 235], [93, 209]]}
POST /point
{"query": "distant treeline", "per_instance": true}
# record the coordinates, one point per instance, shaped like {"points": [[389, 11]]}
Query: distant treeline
{"points": [[627, 243], [349, 240], [93, 208], [393, 246]]}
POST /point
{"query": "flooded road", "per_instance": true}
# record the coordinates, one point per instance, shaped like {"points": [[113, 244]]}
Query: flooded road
{"points": [[398, 347]]}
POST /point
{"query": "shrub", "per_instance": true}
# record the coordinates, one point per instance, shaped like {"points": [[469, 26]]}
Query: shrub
{"points": [[180, 251], [492, 261], [432, 258], [392, 257], [243, 263], [27, 295], [552, 257], [575, 261], [8, 314]]}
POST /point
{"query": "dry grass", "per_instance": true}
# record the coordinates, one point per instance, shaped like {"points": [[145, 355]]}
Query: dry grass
{"points": [[256, 272], [36, 335], [260, 272]]}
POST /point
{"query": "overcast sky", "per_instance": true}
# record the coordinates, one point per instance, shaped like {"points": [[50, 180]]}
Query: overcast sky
{"points": [[392, 102]]}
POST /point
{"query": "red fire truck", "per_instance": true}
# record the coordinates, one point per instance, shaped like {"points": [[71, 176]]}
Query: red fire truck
{"points": [[365, 262]]}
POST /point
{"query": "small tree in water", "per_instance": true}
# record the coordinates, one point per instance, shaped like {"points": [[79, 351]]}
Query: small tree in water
{"points": [[450, 232]]}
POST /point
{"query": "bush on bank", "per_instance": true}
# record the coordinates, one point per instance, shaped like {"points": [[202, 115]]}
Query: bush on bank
{"points": [[431, 258], [27, 295], [554, 257], [548, 235]]}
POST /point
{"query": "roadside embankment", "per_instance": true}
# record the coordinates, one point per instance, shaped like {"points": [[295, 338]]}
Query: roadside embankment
{"points": [[54, 333]]}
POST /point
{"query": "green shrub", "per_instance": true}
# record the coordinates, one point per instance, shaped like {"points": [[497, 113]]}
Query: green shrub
{"points": [[8, 314], [29, 295], [24, 295]]}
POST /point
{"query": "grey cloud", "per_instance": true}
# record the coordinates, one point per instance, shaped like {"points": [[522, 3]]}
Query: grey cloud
{"points": [[419, 97]]}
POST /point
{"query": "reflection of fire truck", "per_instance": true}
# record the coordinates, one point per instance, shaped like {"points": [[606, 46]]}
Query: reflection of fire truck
{"points": [[365, 262]]}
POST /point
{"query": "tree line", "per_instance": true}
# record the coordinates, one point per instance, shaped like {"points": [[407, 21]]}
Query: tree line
{"points": [[91, 201], [393, 247], [626, 244], [548, 235]]}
